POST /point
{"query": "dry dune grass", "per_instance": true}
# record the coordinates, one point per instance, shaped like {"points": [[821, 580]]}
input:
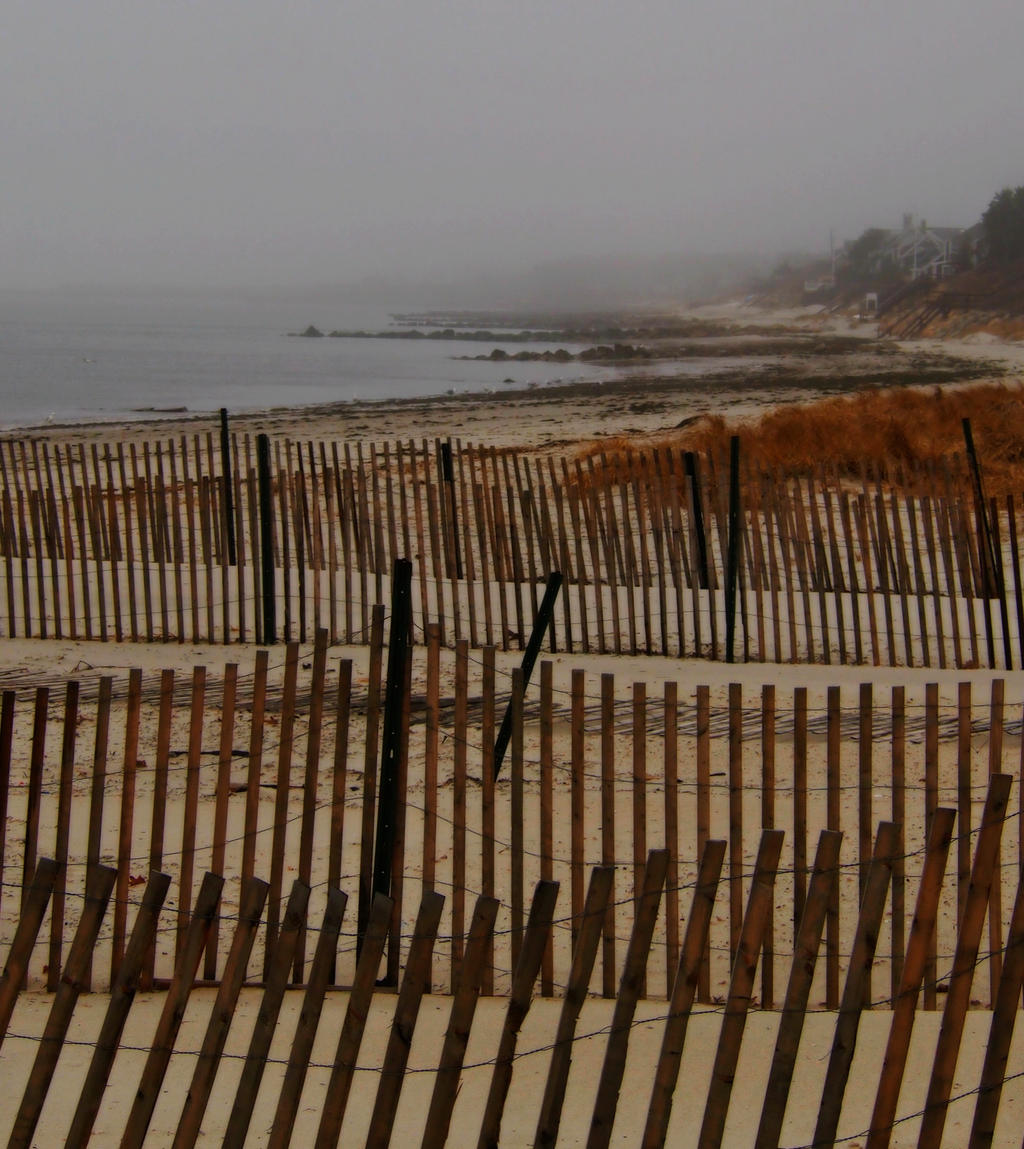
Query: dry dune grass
{"points": [[904, 436]]}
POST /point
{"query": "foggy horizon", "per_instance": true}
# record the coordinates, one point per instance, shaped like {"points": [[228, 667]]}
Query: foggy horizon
{"points": [[252, 147]]}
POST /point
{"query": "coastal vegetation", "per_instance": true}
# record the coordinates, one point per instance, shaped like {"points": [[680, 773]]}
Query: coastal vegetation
{"points": [[1003, 222], [905, 436]]}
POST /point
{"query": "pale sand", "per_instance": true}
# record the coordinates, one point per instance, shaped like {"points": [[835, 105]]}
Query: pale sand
{"points": [[522, 1107], [530, 419]]}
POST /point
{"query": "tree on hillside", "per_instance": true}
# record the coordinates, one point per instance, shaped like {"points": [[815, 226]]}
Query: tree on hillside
{"points": [[864, 254], [1003, 222]]}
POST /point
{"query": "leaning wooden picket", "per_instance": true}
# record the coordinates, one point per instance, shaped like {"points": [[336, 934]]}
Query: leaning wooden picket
{"points": [[446, 1062]]}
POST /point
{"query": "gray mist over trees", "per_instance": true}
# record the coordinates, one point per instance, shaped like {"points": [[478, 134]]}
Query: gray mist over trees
{"points": [[488, 150]]}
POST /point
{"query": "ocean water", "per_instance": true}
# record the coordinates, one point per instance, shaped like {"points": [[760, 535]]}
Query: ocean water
{"points": [[107, 361], [74, 357]]}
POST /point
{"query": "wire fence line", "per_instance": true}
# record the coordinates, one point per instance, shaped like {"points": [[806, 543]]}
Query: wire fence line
{"points": [[447, 1063], [133, 543], [180, 772]]}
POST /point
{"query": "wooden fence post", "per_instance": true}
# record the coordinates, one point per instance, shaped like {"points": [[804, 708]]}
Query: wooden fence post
{"points": [[227, 472]]}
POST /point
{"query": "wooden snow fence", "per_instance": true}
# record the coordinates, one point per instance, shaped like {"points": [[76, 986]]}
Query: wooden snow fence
{"points": [[273, 773], [134, 541], [650, 1083]]}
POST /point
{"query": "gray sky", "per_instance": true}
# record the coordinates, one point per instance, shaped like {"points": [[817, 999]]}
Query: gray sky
{"points": [[278, 144]]}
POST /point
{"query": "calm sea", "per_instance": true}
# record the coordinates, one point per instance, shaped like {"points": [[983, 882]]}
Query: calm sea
{"points": [[97, 359]]}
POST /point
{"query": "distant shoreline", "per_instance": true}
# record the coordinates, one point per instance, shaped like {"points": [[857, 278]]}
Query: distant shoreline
{"points": [[573, 412]]}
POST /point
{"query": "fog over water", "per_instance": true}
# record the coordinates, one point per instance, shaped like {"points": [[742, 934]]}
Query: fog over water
{"points": [[484, 151]]}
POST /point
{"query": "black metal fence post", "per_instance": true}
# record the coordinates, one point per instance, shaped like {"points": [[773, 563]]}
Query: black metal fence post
{"points": [[733, 559], [399, 648], [545, 613], [229, 486], [266, 540], [448, 475]]}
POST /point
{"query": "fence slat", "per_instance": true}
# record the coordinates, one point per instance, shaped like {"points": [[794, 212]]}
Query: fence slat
{"points": [[307, 829], [741, 987], [35, 786], [320, 974], [281, 795], [410, 996], [6, 745], [608, 854], [126, 820], [922, 930], [801, 977], [162, 1046], [191, 810], [370, 757], [250, 911], [1000, 1035], [584, 954], [965, 960], [535, 944], [351, 1036], [630, 988], [37, 898], [99, 886], [252, 781], [684, 989], [460, 1021], [67, 777], [703, 762], [857, 991], [222, 794], [273, 996], [121, 996]]}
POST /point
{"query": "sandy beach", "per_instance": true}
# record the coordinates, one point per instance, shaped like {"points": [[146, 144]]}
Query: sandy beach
{"points": [[549, 420]]}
